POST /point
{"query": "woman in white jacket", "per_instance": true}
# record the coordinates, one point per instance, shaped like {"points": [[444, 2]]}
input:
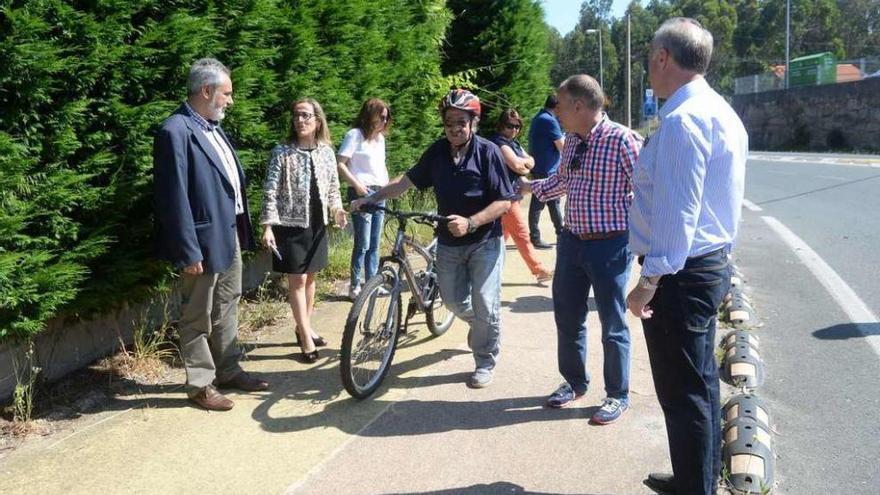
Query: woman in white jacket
{"points": [[300, 196]]}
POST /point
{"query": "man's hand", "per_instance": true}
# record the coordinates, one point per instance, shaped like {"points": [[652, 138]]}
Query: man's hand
{"points": [[457, 225], [194, 269], [356, 204], [361, 190], [341, 218], [637, 302]]}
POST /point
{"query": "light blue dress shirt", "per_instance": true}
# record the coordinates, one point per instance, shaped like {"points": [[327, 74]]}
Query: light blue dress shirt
{"points": [[688, 181]]}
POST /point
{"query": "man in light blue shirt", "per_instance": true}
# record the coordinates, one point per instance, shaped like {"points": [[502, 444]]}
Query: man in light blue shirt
{"points": [[688, 186]]}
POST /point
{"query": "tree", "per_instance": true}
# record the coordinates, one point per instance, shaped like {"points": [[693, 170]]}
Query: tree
{"points": [[860, 29], [83, 85], [503, 46], [579, 53]]}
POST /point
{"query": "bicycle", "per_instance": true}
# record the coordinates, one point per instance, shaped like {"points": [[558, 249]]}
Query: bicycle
{"points": [[373, 326]]}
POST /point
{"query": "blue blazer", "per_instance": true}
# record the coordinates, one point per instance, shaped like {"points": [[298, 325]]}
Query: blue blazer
{"points": [[194, 199]]}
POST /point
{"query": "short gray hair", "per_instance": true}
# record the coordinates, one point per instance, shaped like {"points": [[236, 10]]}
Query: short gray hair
{"points": [[585, 88], [205, 72], [688, 42]]}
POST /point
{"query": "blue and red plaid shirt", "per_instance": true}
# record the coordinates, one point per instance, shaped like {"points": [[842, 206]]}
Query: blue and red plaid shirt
{"points": [[596, 175]]}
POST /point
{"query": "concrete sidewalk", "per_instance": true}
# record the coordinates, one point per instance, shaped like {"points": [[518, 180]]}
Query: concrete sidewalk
{"points": [[423, 432]]}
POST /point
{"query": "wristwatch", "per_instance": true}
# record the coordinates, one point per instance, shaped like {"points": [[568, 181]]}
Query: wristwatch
{"points": [[472, 227], [645, 283]]}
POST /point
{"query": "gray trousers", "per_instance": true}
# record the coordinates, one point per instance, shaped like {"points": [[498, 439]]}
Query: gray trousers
{"points": [[209, 326]]}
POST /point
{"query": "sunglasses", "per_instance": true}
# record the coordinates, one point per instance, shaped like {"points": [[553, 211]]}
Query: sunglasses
{"points": [[514, 127], [579, 153], [303, 115], [453, 124]]}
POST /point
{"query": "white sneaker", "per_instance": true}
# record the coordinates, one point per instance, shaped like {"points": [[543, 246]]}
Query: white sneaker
{"points": [[354, 291]]}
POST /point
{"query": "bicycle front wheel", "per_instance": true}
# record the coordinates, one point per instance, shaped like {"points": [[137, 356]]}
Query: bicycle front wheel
{"points": [[370, 337]]}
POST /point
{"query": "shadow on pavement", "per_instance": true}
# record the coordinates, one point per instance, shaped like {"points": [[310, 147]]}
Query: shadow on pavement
{"points": [[529, 304], [537, 304], [94, 391], [497, 488], [281, 411], [402, 417], [848, 331]]}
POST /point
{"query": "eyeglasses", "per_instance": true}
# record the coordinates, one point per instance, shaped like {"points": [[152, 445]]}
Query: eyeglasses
{"points": [[579, 154], [456, 124], [514, 127], [303, 116]]}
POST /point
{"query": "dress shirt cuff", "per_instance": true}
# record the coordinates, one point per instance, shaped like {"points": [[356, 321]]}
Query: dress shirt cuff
{"points": [[655, 266], [538, 189]]}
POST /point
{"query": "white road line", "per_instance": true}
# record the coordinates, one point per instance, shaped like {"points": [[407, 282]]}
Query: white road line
{"points": [[867, 161], [751, 206], [849, 301]]}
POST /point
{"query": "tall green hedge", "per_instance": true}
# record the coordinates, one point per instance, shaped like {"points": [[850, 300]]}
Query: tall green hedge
{"points": [[83, 84], [502, 46]]}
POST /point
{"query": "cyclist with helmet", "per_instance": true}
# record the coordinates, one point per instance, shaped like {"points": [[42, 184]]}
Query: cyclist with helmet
{"points": [[472, 189]]}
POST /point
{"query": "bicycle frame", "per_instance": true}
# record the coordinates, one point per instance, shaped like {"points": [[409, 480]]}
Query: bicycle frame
{"points": [[398, 256]]}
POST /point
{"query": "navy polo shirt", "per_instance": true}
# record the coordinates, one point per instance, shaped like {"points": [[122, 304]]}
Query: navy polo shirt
{"points": [[464, 189], [500, 141], [543, 131]]}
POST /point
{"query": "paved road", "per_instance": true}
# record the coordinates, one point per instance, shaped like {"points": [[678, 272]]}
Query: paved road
{"points": [[823, 372]]}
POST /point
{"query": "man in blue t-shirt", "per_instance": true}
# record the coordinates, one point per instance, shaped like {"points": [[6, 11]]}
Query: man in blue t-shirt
{"points": [[472, 189], [545, 145]]}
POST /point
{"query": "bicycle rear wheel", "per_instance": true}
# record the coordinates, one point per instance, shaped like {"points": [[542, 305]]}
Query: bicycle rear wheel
{"points": [[437, 317], [370, 337]]}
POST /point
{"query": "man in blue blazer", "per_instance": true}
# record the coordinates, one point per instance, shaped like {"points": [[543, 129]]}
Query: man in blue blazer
{"points": [[203, 225]]}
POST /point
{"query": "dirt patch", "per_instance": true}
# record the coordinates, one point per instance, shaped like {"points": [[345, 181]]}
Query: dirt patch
{"points": [[109, 383]]}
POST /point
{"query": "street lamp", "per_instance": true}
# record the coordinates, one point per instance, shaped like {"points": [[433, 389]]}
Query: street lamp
{"points": [[601, 78]]}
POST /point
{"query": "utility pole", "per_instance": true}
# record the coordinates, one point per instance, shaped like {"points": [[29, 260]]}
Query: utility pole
{"points": [[787, 40], [628, 73], [599, 32], [601, 70]]}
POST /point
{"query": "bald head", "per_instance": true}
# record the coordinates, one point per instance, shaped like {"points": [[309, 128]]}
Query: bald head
{"points": [[687, 41], [585, 88]]}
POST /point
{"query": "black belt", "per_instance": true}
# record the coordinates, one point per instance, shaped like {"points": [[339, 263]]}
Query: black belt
{"points": [[641, 259], [599, 236]]}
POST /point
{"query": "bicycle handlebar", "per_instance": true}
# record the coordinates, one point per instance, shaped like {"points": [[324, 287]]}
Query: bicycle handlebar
{"points": [[413, 215]]}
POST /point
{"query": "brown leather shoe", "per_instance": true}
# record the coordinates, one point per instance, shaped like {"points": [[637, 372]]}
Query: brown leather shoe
{"points": [[246, 382], [212, 400]]}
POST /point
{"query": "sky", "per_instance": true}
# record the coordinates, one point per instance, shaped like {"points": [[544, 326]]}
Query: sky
{"points": [[563, 14]]}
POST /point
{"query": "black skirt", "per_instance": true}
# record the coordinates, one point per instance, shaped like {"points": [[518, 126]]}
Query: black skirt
{"points": [[303, 250]]}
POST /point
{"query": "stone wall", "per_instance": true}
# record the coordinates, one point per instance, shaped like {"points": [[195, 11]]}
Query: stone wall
{"points": [[844, 116], [67, 346]]}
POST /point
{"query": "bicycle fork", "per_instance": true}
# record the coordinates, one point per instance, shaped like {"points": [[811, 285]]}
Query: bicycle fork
{"points": [[393, 291]]}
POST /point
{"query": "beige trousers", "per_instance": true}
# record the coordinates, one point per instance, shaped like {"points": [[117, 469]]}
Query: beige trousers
{"points": [[209, 326]]}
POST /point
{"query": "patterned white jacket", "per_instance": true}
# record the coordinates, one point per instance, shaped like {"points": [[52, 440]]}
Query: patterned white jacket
{"points": [[288, 182]]}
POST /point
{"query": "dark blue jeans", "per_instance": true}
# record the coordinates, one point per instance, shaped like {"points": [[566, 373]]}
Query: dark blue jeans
{"points": [[367, 229], [604, 266], [680, 337], [536, 207]]}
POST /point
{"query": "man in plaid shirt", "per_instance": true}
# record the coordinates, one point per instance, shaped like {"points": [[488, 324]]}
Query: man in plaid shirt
{"points": [[592, 251]]}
